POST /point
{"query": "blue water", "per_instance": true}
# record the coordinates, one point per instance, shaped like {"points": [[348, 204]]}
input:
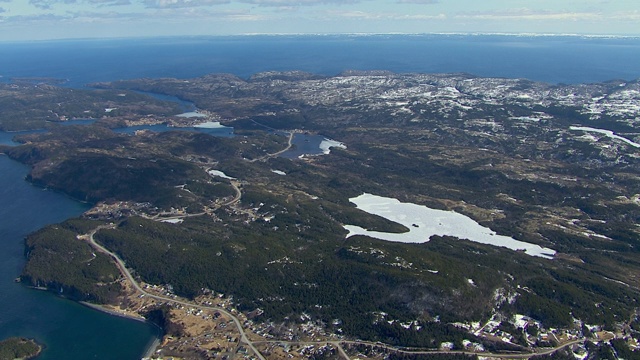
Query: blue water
{"points": [[304, 144], [71, 331], [551, 59], [6, 138]]}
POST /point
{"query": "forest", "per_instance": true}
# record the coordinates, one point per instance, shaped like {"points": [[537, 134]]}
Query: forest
{"points": [[282, 248]]}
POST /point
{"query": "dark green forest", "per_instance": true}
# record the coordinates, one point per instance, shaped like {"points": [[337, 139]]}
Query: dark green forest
{"points": [[282, 246]]}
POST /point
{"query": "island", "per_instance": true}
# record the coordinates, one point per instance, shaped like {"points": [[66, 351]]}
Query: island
{"points": [[446, 215], [19, 348]]}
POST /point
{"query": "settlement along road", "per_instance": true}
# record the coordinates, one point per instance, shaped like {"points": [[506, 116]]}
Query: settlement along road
{"points": [[123, 269], [244, 339]]}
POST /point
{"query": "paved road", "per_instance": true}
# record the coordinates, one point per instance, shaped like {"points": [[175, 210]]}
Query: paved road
{"points": [[483, 354], [236, 187], [341, 351], [244, 339], [234, 184], [123, 269]]}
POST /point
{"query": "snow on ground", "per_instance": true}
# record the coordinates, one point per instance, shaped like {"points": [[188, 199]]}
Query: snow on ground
{"points": [[210, 125], [521, 321], [327, 144], [424, 222], [173, 221], [191, 114], [279, 172], [219, 173], [608, 133]]}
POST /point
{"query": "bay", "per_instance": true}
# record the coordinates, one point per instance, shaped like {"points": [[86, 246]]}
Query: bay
{"points": [[67, 329]]}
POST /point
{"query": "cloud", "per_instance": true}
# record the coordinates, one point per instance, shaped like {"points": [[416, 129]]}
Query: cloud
{"points": [[421, 17], [297, 3], [425, 2], [528, 14], [173, 4], [626, 16], [41, 18], [48, 4], [109, 2], [104, 17], [363, 15], [165, 15]]}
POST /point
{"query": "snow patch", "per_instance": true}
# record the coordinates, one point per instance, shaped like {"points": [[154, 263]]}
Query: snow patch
{"points": [[210, 125], [219, 173], [192, 114], [327, 144], [433, 222], [607, 133], [173, 221]]}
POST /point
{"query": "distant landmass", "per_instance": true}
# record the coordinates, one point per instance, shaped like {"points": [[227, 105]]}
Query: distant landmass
{"points": [[540, 182]]}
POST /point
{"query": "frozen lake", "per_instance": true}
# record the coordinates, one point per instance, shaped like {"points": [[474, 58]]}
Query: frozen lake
{"points": [[424, 222]]}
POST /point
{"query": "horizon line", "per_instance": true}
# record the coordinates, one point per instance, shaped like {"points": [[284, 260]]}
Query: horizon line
{"points": [[355, 34]]}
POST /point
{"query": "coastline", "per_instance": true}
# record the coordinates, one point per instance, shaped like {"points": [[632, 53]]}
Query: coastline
{"points": [[21, 347], [97, 307], [81, 326], [151, 347], [112, 312]]}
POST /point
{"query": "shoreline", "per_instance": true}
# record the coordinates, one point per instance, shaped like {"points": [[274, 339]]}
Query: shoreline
{"points": [[151, 347], [112, 312], [21, 345]]}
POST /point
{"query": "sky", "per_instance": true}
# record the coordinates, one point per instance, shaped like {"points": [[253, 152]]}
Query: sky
{"points": [[60, 19]]}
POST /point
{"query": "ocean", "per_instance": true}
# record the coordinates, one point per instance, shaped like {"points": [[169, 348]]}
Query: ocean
{"points": [[67, 329], [553, 59], [71, 331]]}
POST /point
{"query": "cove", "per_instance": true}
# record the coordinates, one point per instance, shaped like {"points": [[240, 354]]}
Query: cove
{"points": [[67, 329]]}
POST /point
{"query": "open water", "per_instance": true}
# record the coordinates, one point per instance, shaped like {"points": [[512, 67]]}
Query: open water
{"points": [[555, 59], [71, 331], [68, 330]]}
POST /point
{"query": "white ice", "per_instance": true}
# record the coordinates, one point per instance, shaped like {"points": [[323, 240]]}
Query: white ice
{"points": [[424, 222]]}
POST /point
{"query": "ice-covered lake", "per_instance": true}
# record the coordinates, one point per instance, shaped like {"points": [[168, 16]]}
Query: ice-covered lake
{"points": [[424, 222], [608, 133], [311, 145]]}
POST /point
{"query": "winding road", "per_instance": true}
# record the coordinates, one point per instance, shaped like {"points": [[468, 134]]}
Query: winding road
{"points": [[125, 272], [89, 237], [268, 156]]}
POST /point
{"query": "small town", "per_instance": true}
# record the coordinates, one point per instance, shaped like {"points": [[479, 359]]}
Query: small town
{"points": [[209, 326]]}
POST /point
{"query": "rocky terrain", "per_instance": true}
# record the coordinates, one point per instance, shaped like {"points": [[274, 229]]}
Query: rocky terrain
{"points": [[551, 165]]}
